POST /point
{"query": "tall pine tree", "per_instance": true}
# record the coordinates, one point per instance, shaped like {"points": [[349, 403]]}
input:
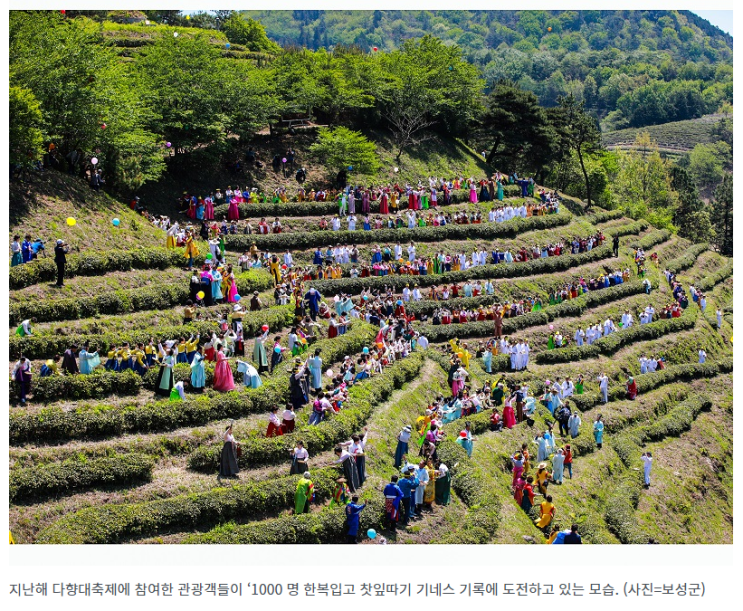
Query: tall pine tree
{"points": [[722, 216]]}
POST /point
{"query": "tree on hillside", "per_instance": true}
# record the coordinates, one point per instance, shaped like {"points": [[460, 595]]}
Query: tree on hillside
{"points": [[25, 138], [516, 129], [340, 148], [88, 98], [248, 32], [706, 162], [722, 216], [579, 133], [183, 80], [691, 216], [642, 184]]}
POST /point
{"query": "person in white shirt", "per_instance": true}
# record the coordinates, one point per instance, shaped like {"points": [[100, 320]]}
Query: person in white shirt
{"points": [[650, 311], [422, 341], [335, 223], [626, 320], [603, 380], [351, 223], [579, 336], [567, 388], [288, 260], [411, 252], [718, 314], [406, 293], [647, 459], [398, 251], [300, 457], [702, 356], [417, 295]]}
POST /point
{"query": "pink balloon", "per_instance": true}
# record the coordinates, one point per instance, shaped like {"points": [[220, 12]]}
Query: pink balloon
{"points": [[94, 161], [283, 160], [552, 327], [168, 144]]}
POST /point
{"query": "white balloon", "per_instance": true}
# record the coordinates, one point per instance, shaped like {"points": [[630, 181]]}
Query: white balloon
{"points": [[397, 169], [175, 34], [94, 161]]}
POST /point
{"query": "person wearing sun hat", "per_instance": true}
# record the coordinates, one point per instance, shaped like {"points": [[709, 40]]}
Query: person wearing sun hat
{"points": [[403, 440]]}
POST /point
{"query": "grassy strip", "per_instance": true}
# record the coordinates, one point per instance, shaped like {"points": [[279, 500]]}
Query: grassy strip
{"points": [[278, 242], [623, 502], [362, 400], [92, 263], [129, 300], [116, 523], [55, 424], [45, 346], [74, 474]]}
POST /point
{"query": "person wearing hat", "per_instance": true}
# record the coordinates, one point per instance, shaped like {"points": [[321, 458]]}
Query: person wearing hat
{"points": [[304, 495], [403, 439], [60, 259]]}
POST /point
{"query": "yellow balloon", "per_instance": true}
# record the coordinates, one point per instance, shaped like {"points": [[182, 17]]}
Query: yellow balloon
{"points": [[71, 221]]}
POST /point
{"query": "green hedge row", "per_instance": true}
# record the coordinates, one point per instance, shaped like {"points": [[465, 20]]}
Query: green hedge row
{"points": [[75, 474], [620, 510], [92, 263], [117, 523], [85, 422], [157, 297], [296, 208], [710, 280], [312, 239], [651, 239], [42, 346], [687, 259], [363, 398], [615, 341], [323, 527], [603, 217], [649, 381], [74, 388]]}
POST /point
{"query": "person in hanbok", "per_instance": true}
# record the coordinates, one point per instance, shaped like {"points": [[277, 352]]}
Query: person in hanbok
{"points": [[392, 499], [542, 451], [403, 441], [304, 495], [259, 352], [509, 416], [423, 477], [90, 360], [465, 439], [315, 365], [348, 462], [473, 192], [517, 463], [233, 211], [223, 380], [702, 355], [603, 380], [22, 375], [216, 285], [546, 513], [198, 377], [251, 378], [228, 466], [574, 423], [527, 497], [631, 388], [300, 458], [647, 459], [487, 359], [558, 466], [429, 493], [442, 485], [598, 431], [164, 382], [274, 424], [579, 385], [299, 391]]}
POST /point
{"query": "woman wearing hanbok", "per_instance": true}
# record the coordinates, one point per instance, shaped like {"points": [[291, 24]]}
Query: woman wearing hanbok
{"points": [[509, 417], [251, 379], [403, 441], [473, 192], [274, 423], [579, 385], [442, 485], [631, 388], [22, 375], [208, 209], [200, 209], [315, 365], [517, 460], [546, 513], [228, 462], [499, 194], [216, 285], [384, 204], [164, 382], [598, 431], [487, 360], [198, 377], [304, 494], [527, 498], [558, 466], [223, 380], [90, 360], [259, 353], [233, 211], [347, 461], [231, 285]]}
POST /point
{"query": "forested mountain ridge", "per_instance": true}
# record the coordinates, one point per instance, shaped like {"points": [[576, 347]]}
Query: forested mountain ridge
{"points": [[650, 66]]}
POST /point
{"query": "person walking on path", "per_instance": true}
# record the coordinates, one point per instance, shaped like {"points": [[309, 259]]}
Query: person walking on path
{"points": [[647, 459], [598, 431]]}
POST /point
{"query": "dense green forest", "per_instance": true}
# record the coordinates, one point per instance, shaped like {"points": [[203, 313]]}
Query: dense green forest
{"points": [[163, 91], [633, 67]]}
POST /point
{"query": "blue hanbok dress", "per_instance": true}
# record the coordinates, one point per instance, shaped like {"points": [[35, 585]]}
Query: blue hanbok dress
{"points": [[251, 379], [198, 377], [542, 453], [315, 364], [216, 285], [88, 361], [487, 361]]}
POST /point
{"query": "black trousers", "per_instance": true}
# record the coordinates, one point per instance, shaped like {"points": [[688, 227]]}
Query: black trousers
{"points": [[60, 274]]}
